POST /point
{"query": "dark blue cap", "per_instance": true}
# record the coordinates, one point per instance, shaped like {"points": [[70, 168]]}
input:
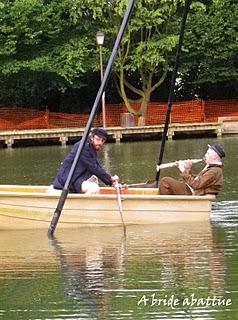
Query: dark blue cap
{"points": [[100, 132]]}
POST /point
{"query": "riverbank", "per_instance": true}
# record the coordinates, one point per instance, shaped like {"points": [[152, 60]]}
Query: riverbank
{"points": [[65, 136], [21, 126]]}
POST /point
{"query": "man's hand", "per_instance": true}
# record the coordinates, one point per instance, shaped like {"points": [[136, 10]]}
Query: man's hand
{"points": [[114, 179], [180, 165], [184, 166]]}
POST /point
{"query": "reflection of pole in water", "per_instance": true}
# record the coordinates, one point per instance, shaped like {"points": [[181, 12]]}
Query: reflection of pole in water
{"points": [[106, 158], [121, 261], [75, 282], [88, 271]]}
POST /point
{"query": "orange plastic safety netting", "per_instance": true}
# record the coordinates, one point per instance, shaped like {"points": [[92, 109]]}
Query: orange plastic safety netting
{"points": [[20, 118]]}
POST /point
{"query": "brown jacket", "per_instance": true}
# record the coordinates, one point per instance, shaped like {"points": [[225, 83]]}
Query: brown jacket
{"points": [[207, 181]]}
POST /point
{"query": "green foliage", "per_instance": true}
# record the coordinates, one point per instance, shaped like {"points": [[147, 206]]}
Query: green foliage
{"points": [[50, 45], [42, 36], [211, 45], [147, 50]]}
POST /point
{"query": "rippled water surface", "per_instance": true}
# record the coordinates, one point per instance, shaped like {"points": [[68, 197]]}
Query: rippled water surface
{"points": [[100, 273], [174, 271]]}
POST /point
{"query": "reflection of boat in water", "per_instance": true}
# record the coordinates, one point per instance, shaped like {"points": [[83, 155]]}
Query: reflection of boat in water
{"points": [[29, 207], [91, 249], [99, 267]]}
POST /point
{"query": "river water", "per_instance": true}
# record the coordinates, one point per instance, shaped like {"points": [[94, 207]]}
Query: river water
{"points": [[174, 271]]}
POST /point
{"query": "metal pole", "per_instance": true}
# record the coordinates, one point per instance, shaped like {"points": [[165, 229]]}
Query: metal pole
{"points": [[103, 95], [172, 85]]}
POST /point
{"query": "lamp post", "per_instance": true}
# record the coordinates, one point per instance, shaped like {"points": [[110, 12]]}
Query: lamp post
{"points": [[100, 41]]}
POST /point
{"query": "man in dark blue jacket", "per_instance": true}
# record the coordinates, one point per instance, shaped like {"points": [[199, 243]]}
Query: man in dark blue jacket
{"points": [[88, 169]]}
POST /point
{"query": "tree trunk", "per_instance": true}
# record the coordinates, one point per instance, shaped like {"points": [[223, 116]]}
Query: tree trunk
{"points": [[141, 121]]}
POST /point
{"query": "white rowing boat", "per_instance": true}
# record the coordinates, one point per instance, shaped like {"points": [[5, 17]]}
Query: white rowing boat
{"points": [[32, 207]]}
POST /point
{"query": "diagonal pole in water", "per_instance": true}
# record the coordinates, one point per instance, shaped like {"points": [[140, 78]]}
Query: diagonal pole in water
{"points": [[95, 107], [172, 85]]}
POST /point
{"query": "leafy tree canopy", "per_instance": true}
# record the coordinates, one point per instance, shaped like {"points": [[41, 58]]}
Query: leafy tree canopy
{"points": [[211, 48], [50, 46]]}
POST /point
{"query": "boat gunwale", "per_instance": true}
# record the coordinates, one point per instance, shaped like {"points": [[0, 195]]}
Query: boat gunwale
{"points": [[147, 196]]}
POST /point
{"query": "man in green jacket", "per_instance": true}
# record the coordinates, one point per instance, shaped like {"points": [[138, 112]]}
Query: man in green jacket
{"points": [[208, 181]]}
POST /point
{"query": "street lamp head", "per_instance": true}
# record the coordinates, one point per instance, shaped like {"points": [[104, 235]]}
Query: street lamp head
{"points": [[100, 38]]}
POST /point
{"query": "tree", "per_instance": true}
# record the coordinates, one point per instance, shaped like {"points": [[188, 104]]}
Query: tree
{"points": [[211, 50], [145, 55], [49, 46], [42, 46]]}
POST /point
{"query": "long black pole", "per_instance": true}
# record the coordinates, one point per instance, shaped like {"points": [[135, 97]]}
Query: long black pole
{"points": [[172, 84], [107, 73]]}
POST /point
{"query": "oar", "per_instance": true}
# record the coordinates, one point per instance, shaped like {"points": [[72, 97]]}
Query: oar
{"points": [[92, 115], [148, 183], [172, 84], [117, 186]]}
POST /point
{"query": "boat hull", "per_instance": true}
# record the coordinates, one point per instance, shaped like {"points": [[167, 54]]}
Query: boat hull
{"points": [[27, 207]]}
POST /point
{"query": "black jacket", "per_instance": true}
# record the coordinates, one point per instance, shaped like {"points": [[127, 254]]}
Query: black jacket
{"points": [[87, 166]]}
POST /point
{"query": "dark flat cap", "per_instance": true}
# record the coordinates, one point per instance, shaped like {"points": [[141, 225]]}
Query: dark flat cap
{"points": [[218, 148], [100, 132]]}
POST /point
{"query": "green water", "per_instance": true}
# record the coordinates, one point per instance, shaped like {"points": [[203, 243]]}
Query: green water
{"points": [[132, 161], [184, 271]]}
